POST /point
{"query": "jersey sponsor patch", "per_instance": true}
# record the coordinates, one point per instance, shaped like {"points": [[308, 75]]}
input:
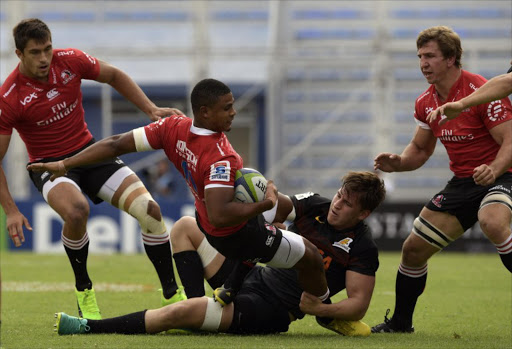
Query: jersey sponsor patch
{"points": [[220, 171], [343, 244], [304, 195]]}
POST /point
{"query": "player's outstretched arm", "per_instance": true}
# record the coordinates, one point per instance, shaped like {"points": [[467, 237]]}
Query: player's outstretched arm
{"points": [[498, 87], [129, 89], [105, 149]]}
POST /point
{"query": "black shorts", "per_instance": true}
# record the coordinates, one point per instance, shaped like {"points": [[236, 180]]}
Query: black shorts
{"points": [[257, 310], [89, 178], [256, 242], [462, 197]]}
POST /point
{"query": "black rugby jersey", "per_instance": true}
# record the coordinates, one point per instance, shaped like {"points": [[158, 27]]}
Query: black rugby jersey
{"points": [[342, 250]]}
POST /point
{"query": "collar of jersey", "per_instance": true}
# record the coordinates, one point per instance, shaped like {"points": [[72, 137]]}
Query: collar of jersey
{"points": [[201, 131]]}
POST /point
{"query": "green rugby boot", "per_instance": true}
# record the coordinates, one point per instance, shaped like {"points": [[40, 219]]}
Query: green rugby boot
{"points": [[178, 296], [87, 305], [66, 324]]}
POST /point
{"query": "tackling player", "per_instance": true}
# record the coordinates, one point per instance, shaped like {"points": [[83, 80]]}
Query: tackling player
{"points": [[42, 100], [478, 144], [271, 298]]}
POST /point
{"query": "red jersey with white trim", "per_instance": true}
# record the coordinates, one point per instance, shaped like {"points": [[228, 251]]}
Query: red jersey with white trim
{"points": [[49, 116], [205, 158], [466, 138]]}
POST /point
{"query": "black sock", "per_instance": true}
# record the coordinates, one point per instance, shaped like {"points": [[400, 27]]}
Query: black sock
{"points": [[506, 259], [161, 257], [407, 289], [133, 323], [237, 276], [191, 272], [78, 260]]}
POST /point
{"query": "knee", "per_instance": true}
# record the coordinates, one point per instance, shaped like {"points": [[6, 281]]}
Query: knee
{"points": [[413, 254], [180, 231], [494, 228], [77, 214]]}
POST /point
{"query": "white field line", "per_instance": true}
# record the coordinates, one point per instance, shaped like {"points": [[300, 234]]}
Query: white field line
{"points": [[36, 286]]}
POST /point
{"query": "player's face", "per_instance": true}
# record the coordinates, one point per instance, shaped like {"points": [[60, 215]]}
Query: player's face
{"points": [[345, 211], [35, 59], [222, 113], [433, 65]]}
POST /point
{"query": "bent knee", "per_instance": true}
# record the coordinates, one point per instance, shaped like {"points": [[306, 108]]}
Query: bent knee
{"points": [[77, 214]]}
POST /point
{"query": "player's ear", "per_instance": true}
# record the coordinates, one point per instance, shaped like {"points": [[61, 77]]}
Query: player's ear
{"points": [[364, 214], [18, 53], [203, 111]]}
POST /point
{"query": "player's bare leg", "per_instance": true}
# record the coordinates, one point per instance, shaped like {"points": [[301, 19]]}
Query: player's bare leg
{"points": [[132, 197], [412, 272], [67, 200], [495, 223]]}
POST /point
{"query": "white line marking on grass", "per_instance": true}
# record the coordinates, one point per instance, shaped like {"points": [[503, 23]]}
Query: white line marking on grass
{"points": [[37, 286]]}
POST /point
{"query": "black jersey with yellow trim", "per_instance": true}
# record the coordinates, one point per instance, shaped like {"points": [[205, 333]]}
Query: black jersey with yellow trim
{"points": [[342, 250]]}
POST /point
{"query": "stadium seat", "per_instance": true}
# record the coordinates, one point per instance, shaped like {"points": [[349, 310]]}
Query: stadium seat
{"points": [[239, 15]]}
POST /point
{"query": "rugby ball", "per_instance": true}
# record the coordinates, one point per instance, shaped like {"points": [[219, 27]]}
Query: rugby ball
{"points": [[250, 186]]}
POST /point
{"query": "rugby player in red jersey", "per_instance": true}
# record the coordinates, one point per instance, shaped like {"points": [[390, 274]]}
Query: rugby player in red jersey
{"points": [[42, 100], [478, 144], [201, 152]]}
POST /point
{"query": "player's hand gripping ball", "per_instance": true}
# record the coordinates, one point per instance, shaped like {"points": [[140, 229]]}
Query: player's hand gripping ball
{"points": [[250, 186]]}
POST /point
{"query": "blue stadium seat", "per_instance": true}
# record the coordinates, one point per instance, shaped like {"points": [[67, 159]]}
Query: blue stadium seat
{"points": [[328, 14], [145, 16], [294, 116], [334, 34], [239, 15]]}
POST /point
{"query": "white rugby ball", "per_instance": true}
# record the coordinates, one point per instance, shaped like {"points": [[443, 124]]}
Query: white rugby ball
{"points": [[250, 185]]}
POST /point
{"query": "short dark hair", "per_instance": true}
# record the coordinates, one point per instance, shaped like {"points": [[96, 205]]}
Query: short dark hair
{"points": [[447, 39], [207, 93], [30, 28], [367, 186]]}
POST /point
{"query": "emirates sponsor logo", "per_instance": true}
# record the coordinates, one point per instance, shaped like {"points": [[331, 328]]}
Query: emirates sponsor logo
{"points": [[61, 110], [66, 53]]}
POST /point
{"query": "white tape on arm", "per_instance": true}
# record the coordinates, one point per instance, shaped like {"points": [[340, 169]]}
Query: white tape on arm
{"points": [[141, 140], [269, 215]]}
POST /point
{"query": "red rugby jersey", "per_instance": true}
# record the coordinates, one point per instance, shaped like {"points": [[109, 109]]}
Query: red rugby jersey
{"points": [[205, 158], [49, 116], [466, 138]]}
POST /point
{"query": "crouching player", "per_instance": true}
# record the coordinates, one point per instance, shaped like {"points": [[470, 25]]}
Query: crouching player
{"points": [[336, 227]]}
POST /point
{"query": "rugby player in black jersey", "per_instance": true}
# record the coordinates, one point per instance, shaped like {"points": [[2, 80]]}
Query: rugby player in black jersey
{"points": [[271, 298]]}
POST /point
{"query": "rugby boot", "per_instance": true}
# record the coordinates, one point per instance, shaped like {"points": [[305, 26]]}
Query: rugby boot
{"points": [[389, 326], [178, 296], [66, 324], [87, 305], [345, 327]]}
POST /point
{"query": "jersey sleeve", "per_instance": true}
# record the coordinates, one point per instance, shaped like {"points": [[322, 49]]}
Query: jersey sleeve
{"points": [[7, 118], [304, 201], [365, 262], [154, 135], [221, 172], [495, 112], [88, 66]]}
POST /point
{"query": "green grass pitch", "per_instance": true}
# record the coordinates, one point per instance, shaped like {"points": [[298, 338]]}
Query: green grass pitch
{"points": [[466, 304]]}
